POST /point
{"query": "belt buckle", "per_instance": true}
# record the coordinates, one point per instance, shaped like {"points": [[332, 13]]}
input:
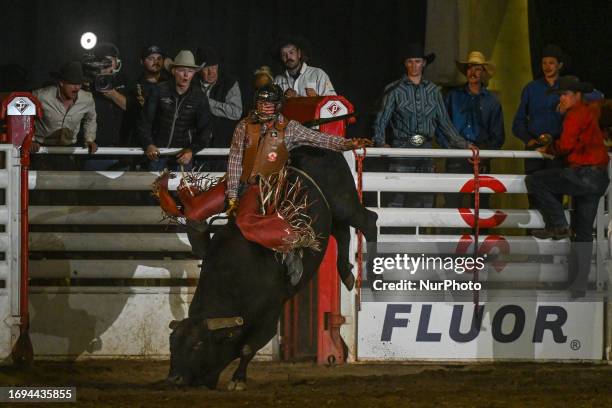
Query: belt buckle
{"points": [[417, 140]]}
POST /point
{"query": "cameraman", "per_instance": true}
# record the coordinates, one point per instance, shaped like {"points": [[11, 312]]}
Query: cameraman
{"points": [[108, 89]]}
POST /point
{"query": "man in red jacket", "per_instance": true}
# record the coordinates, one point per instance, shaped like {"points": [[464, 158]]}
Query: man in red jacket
{"points": [[584, 177]]}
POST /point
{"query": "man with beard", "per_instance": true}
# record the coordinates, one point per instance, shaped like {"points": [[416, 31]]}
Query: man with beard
{"points": [[152, 61], [300, 79], [414, 108], [176, 114], [538, 121], [477, 115], [225, 102]]}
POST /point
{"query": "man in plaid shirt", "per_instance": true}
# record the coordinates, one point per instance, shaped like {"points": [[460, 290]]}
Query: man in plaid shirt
{"points": [[260, 148], [267, 115]]}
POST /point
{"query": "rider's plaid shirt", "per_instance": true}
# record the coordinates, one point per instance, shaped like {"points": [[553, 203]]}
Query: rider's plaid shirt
{"points": [[295, 135]]}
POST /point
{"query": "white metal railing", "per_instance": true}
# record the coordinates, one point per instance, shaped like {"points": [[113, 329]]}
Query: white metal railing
{"points": [[11, 247], [160, 242]]}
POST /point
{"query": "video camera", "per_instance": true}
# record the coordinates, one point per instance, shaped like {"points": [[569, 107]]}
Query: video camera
{"points": [[93, 67]]}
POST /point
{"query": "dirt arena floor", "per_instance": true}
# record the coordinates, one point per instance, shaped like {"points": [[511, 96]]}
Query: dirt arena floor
{"points": [[139, 384]]}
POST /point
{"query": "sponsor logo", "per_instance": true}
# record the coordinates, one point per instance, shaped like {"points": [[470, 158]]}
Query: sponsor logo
{"points": [[21, 105], [333, 108], [466, 213], [549, 318]]}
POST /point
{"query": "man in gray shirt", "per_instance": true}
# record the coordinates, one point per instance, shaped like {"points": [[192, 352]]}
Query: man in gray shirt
{"points": [[225, 102]]}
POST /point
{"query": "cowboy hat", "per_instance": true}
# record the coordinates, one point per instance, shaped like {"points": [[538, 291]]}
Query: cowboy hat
{"points": [[573, 84], [71, 73], [184, 58], [207, 56], [415, 50], [476, 58]]}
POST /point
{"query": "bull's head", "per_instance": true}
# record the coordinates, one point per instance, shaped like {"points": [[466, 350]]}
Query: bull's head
{"points": [[201, 348]]}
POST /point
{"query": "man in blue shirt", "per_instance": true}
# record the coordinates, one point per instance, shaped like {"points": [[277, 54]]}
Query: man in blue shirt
{"points": [[537, 118], [414, 109], [476, 114], [538, 114]]}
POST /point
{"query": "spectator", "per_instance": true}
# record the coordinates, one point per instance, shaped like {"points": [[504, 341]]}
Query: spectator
{"points": [[225, 102], [299, 79], [415, 109], [537, 119], [477, 115], [66, 109], [65, 106], [175, 115], [584, 177], [152, 61]]}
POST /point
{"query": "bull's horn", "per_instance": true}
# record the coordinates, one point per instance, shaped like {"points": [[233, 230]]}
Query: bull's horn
{"points": [[173, 324], [224, 322]]}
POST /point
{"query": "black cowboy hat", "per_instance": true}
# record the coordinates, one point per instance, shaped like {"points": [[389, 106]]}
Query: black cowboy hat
{"points": [[416, 50], [70, 72], [552, 50], [573, 84], [207, 56]]}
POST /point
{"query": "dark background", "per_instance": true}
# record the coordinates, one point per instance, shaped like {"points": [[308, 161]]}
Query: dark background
{"points": [[583, 29], [357, 42]]}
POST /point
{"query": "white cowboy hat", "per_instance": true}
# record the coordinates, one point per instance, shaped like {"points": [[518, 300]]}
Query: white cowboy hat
{"points": [[476, 58], [184, 58]]}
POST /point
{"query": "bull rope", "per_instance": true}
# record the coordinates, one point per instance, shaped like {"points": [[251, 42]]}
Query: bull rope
{"points": [[475, 160], [359, 159]]}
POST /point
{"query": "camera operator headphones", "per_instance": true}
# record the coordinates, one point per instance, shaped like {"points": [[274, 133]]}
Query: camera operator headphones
{"points": [[108, 50]]}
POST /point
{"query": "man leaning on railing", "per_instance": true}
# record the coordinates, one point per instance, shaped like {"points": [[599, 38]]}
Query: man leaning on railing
{"points": [[584, 177]]}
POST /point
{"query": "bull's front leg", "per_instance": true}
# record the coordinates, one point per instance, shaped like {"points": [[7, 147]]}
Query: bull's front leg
{"points": [[238, 381], [341, 231], [260, 336]]}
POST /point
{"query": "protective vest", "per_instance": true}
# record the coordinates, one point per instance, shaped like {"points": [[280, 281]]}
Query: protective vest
{"points": [[266, 154]]}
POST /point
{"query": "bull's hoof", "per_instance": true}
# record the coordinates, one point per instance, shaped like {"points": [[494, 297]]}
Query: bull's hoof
{"points": [[236, 386]]}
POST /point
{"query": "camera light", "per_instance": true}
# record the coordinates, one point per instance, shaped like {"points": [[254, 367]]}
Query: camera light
{"points": [[88, 40]]}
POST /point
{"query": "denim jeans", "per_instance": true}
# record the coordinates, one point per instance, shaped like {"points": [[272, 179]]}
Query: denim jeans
{"points": [[534, 165], [412, 165], [586, 185]]}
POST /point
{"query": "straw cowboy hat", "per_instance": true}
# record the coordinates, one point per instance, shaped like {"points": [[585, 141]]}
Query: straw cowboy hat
{"points": [[184, 58], [476, 58]]}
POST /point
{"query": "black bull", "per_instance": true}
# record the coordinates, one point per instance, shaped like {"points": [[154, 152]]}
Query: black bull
{"points": [[243, 286]]}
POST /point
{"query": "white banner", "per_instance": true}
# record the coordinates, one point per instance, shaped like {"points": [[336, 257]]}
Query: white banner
{"points": [[510, 330]]}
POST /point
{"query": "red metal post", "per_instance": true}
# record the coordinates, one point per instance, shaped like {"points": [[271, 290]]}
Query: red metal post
{"points": [[20, 109], [329, 343]]}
